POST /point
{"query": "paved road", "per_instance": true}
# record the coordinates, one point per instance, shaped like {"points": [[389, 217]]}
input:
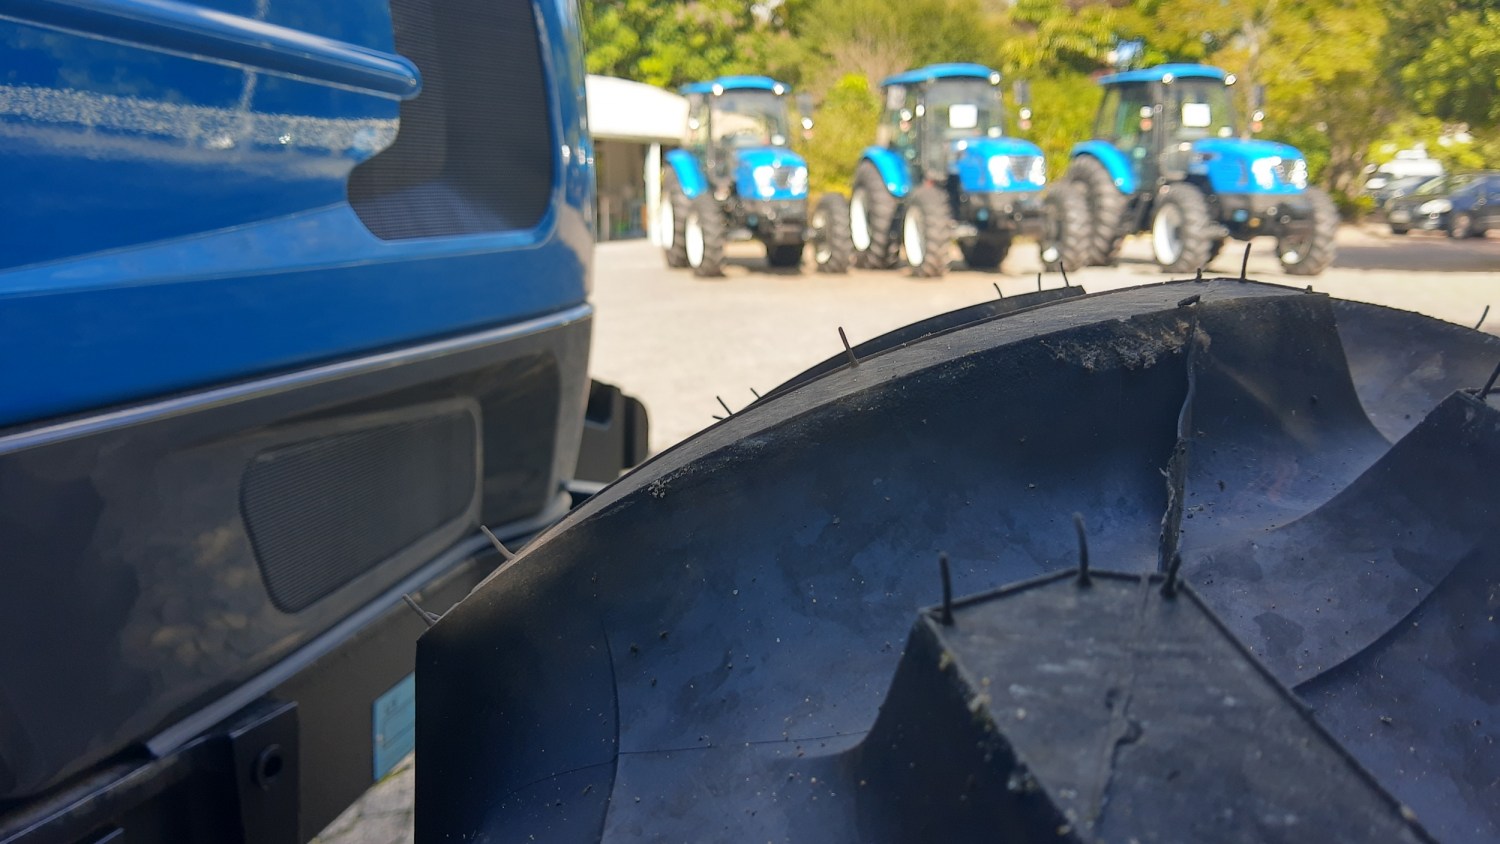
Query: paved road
{"points": [[678, 341]]}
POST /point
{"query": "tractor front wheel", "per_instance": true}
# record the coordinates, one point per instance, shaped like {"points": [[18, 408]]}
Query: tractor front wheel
{"points": [[1180, 229], [926, 232], [1309, 252], [1065, 228], [1106, 207], [671, 218], [986, 251], [833, 245], [872, 218], [783, 255], [704, 235]]}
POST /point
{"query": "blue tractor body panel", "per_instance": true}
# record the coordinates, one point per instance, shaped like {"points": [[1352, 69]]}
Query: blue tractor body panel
{"points": [[1113, 160], [748, 160], [972, 165], [178, 212], [1162, 71], [948, 70], [689, 175], [735, 83], [1231, 165], [892, 168]]}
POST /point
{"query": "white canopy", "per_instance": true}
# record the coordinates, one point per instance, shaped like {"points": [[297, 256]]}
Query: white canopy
{"points": [[622, 110]]}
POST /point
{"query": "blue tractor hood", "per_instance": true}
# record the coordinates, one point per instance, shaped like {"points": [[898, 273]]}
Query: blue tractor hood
{"points": [[1020, 171], [1239, 166], [787, 173]]}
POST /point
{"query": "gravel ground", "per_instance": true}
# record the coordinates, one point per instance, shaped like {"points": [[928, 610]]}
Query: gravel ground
{"points": [[678, 342]]}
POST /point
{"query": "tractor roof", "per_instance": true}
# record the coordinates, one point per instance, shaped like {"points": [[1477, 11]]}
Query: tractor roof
{"points": [[1156, 74], [736, 83], [952, 70]]}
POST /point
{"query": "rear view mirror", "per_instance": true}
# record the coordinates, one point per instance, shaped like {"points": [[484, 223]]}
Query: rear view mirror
{"points": [[1258, 98], [1022, 91], [805, 112]]}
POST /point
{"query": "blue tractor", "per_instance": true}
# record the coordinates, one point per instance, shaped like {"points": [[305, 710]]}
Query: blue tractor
{"points": [[1170, 157], [944, 170], [735, 178]]}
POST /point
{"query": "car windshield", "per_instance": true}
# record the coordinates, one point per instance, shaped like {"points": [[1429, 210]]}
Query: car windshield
{"points": [[749, 119], [1443, 184], [1199, 108], [965, 108]]}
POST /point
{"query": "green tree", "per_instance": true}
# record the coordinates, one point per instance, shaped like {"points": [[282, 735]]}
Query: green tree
{"points": [[1457, 76], [845, 126], [669, 44]]}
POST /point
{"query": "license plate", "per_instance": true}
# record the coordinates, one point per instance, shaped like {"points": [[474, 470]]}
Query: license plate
{"points": [[1400, 216]]}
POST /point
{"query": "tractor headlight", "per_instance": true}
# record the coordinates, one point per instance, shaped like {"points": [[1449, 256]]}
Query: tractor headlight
{"points": [[1263, 170], [765, 180], [1298, 176], [1037, 174], [1435, 206], [797, 181], [1000, 170]]}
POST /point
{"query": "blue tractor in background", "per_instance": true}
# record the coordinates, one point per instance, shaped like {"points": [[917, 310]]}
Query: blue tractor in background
{"points": [[1169, 157], [944, 170], [735, 178]]}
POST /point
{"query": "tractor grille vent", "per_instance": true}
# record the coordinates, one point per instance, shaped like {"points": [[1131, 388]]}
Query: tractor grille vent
{"points": [[320, 512], [474, 151], [1020, 167]]}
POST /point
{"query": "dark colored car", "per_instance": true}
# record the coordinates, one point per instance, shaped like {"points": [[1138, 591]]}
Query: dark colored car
{"points": [[1463, 205], [1383, 190]]}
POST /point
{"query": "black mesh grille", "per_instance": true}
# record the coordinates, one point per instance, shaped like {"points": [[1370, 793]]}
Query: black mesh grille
{"points": [[323, 511], [474, 151]]}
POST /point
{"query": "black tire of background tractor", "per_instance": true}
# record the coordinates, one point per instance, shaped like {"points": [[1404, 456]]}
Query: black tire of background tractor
{"points": [[1323, 247], [1400, 230], [784, 254], [673, 198], [986, 251], [711, 222], [1461, 225], [833, 251], [880, 220], [1186, 200], [1214, 248], [1066, 227], [1106, 207], [928, 207]]}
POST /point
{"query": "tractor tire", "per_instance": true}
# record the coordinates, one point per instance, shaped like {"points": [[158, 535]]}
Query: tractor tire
{"points": [[784, 255], [1461, 226], [1311, 254], [1064, 244], [704, 235], [1180, 228], [672, 217], [1215, 247], [772, 594], [927, 231], [1400, 231], [872, 220], [985, 252], [1106, 207], [833, 246]]}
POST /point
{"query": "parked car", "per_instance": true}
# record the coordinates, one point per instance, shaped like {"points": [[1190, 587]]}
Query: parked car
{"points": [[1463, 205], [1383, 189]]}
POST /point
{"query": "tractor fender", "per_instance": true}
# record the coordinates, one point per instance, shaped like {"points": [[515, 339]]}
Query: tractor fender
{"points": [[1113, 160], [689, 174], [892, 168], [971, 163]]}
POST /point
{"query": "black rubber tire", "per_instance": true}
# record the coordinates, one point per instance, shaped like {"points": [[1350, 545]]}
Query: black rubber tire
{"points": [[1187, 202], [833, 245], [985, 252], [783, 255], [674, 199], [1320, 251], [927, 210], [1215, 246], [1065, 227], [1461, 225], [1106, 207], [1400, 230], [710, 218], [883, 250]]}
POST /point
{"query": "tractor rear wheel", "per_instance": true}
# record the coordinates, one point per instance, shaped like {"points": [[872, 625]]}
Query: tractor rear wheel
{"points": [[1180, 228], [833, 246], [872, 220], [1106, 207], [1065, 228], [704, 235], [671, 218], [986, 251], [784, 254], [1310, 252], [926, 231]]}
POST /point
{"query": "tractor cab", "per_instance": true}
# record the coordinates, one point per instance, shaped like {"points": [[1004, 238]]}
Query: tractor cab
{"points": [[742, 122], [944, 170], [1170, 156]]}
